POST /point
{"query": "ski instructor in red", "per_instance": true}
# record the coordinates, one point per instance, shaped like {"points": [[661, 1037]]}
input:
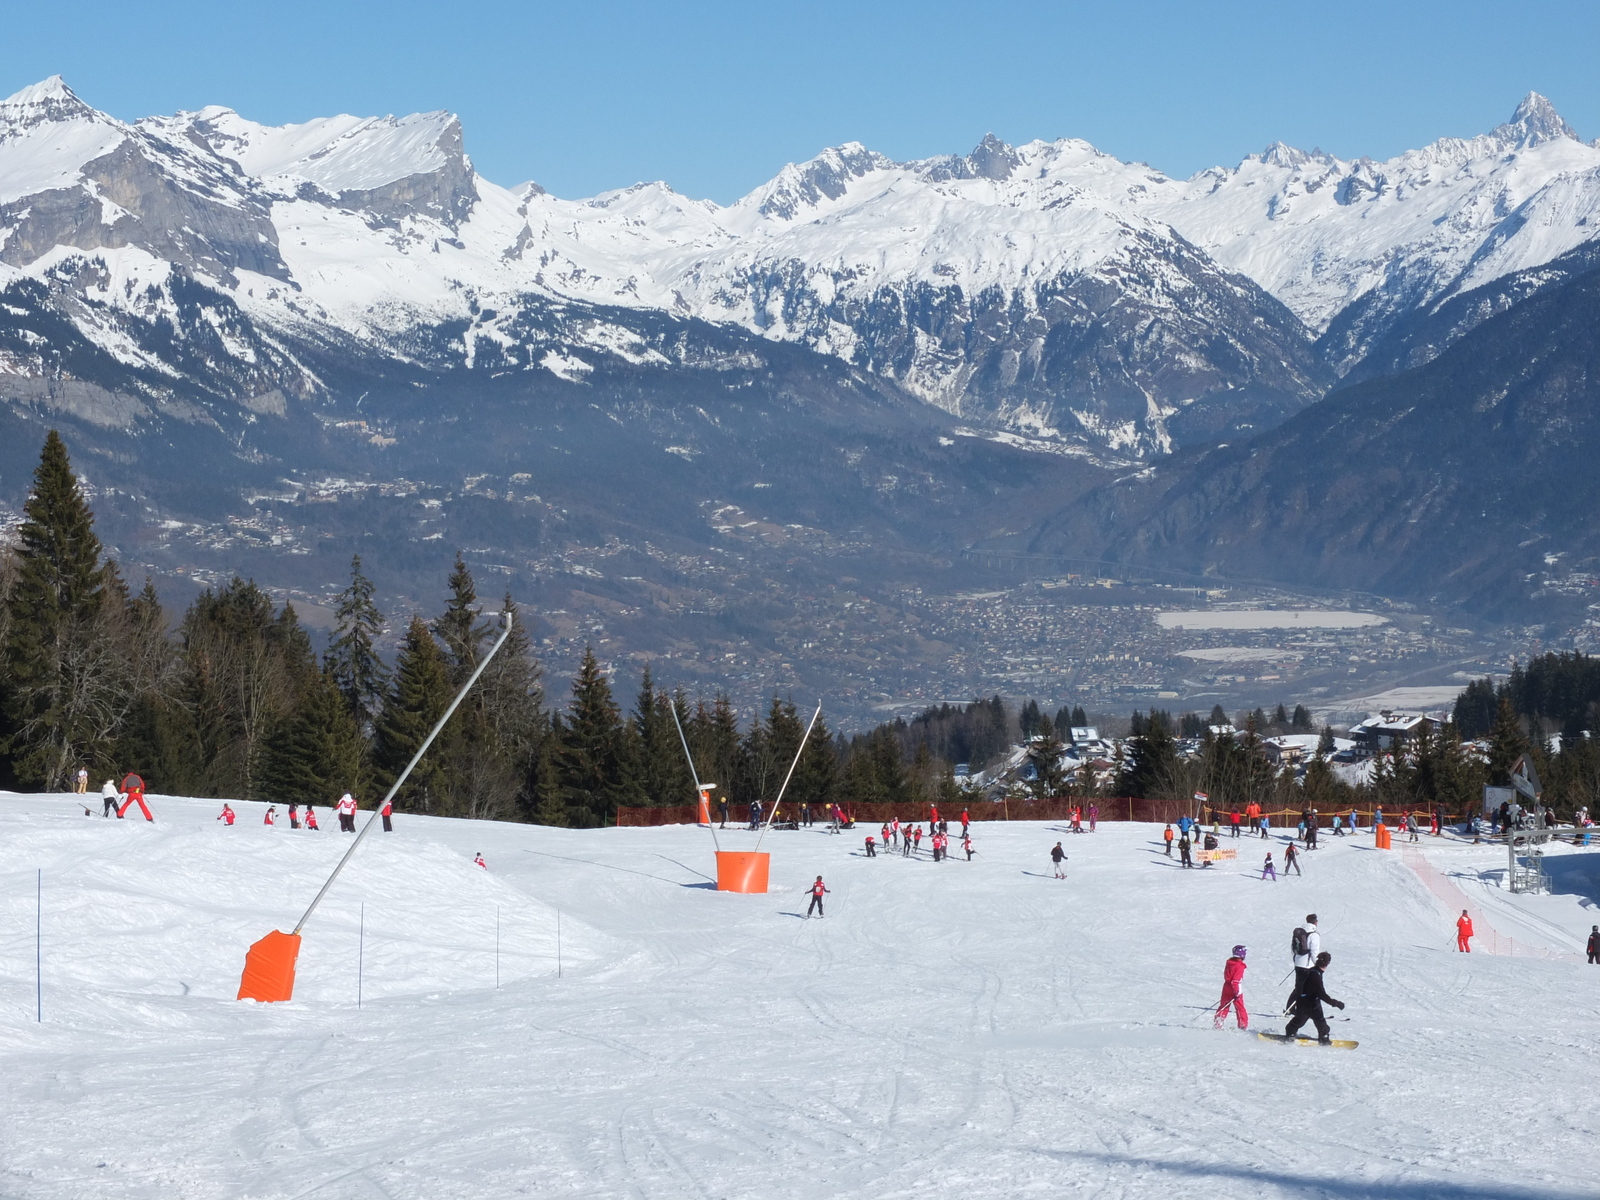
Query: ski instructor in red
{"points": [[1233, 990], [818, 891]]}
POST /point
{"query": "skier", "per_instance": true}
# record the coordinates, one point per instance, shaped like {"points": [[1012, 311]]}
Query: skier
{"points": [[346, 809], [818, 891], [1233, 820], [1057, 856], [1094, 817], [272, 812], [1355, 822], [966, 844], [1268, 869], [916, 839], [1464, 933], [1411, 826], [883, 835], [1166, 836], [1233, 990], [1291, 861], [1266, 826], [294, 816], [1338, 828], [110, 798], [226, 816], [1311, 837], [871, 849], [1308, 1001], [965, 821], [905, 843], [1183, 850], [1305, 943], [723, 805], [311, 817], [386, 812], [1077, 819], [478, 858], [1594, 944]]}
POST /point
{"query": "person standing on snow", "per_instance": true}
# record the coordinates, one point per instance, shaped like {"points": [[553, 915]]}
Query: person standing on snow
{"points": [[1057, 856], [916, 838], [1094, 817], [966, 844], [387, 813], [1305, 943], [1267, 869], [110, 798], [872, 851], [966, 820], [1291, 861], [1183, 850], [1266, 827], [1594, 944], [1233, 820], [226, 815], [272, 812], [1166, 836], [294, 816], [346, 809], [311, 817], [81, 781], [1463, 933], [1233, 990], [1308, 1001], [818, 891]]}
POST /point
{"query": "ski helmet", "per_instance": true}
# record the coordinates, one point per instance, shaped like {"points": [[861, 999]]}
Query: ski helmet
{"points": [[1238, 951]]}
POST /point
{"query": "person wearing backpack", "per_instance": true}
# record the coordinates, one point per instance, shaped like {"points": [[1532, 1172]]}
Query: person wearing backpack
{"points": [[1305, 943]]}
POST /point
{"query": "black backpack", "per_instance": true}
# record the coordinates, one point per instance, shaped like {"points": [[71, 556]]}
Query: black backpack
{"points": [[1297, 942]]}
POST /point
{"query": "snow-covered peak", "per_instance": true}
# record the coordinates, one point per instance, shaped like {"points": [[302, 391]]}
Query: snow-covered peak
{"points": [[53, 90], [47, 135], [801, 188], [1535, 121]]}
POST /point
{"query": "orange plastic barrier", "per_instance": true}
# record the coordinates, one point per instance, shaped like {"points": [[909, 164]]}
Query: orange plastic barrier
{"points": [[742, 870], [1382, 839], [705, 809], [269, 968]]}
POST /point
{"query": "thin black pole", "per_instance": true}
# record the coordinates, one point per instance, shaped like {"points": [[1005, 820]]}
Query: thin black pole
{"points": [[38, 947], [361, 952]]}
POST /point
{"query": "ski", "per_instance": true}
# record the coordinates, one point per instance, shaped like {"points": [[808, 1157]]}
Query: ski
{"points": [[1340, 1043]]}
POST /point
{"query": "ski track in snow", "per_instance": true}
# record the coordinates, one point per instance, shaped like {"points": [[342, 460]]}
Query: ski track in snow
{"points": [[974, 1029]]}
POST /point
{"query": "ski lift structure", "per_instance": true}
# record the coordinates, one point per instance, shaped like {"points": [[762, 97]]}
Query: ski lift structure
{"points": [[1525, 845]]}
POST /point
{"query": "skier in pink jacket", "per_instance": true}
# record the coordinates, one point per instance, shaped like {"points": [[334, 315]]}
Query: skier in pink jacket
{"points": [[1233, 990]]}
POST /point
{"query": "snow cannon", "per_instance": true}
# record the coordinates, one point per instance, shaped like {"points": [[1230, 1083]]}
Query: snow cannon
{"points": [[742, 871], [705, 790], [269, 968], [269, 964]]}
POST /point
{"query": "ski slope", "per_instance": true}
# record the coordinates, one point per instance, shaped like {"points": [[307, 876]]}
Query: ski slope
{"points": [[961, 1029]]}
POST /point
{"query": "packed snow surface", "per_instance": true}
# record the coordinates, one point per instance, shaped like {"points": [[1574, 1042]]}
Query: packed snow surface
{"points": [[959, 1029], [1268, 618]]}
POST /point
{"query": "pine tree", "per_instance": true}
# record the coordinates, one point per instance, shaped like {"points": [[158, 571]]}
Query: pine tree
{"points": [[460, 628], [550, 805], [352, 656], [417, 699], [589, 758], [1507, 743], [65, 684], [1049, 779], [1153, 769], [1325, 743], [664, 775], [313, 753], [1301, 721], [1079, 717]]}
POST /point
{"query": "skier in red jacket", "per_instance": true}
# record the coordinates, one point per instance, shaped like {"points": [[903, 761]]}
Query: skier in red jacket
{"points": [[1233, 990], [1464, 932], [226, 816], [818, 891], [387, 812]]}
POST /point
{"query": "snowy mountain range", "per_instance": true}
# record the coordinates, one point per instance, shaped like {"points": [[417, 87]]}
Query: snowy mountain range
{"points": [[1046, 291]]}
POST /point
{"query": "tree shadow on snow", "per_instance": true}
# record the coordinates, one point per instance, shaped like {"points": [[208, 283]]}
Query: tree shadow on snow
{"points": [[1292, 1184], [1574, 875]]}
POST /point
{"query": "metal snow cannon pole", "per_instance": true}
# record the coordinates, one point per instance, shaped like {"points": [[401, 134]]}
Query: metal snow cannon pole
{"points": [[269, 963]]}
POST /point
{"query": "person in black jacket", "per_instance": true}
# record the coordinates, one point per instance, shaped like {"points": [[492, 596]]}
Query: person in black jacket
{"points": [[1594, 944], [1308, 1002]]}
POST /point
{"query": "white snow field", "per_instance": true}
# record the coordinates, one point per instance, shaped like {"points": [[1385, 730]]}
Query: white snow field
{"points": [[960, 1029]]}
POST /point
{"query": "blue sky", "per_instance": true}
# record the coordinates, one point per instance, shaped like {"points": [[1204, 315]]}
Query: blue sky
{"points": [[715, 96]]}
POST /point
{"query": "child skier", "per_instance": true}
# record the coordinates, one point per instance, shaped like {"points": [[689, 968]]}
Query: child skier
{"points": [[1166, 836], [1057, 856], [110, 798], [478, 858], [226, 816], [966, 844], [1233, 990], [346, 808], [387, 812], [817, 893], [1268, 870], [271, 817], [871, 848], [311, 817]]}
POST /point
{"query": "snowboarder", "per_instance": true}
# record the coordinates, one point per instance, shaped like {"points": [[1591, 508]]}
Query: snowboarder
{"points": [[818, 891], [1291, 861], [478, 858], [1233, 990], [1268, 870], [1308, 1001], [871, 847], [311, 817], [1463, 933], [271, 817], [1305, 943], [226, 816], [387, 812], [346, 809], [110, 798], [1058, 856], [1166, 836], [1594, 944]]}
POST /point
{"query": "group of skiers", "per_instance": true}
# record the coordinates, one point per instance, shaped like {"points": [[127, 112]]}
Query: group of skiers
{"points": [[1305, 1001], [345, 809], [908, 838]]}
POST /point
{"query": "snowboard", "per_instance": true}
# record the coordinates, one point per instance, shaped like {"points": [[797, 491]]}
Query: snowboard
{"points": [[1340, 1043]]}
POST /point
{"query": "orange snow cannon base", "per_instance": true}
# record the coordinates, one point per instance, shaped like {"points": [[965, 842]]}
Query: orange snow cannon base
{"points": [[742, 871], [269, 968], [1382, 838]]}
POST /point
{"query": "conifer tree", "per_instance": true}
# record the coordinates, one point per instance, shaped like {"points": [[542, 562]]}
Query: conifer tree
{"points": [[1153, 769], [417, 699], [461, 628], [313, 752], [65, 690], [1045, 754], [1300, 722], [664, 775], [550, 805], [352, 656], [590, 756]]}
